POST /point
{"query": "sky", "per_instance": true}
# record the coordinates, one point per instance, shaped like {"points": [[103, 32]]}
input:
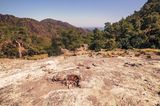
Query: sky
{"points": [[81, 13]]}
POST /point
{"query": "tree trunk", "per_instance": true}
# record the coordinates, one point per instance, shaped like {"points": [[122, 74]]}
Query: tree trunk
{"points": [[19, 49]]}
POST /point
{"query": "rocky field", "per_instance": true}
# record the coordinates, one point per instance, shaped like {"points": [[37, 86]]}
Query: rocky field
{"points": [[105, 80]]}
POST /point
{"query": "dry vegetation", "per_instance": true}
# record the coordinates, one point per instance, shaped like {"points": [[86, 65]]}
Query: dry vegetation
{"points": [[36, 57]]}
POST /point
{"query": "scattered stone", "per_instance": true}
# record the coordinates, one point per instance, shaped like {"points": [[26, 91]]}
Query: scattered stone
{"points": [[71, 80], [28, 76], [80, 64], [149, 56], [88, 67], [132, 64], [94, 65], [159, 93], [158, 104]]}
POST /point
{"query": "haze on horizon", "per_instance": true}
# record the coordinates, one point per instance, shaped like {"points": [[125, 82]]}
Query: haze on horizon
{"points": [[81, 13]]}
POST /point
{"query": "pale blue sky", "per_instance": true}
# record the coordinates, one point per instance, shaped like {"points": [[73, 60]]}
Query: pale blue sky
{"points": [[82, 13]]}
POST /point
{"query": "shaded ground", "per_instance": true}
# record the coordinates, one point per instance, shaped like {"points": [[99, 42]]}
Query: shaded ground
{"points": [[105, 81]]}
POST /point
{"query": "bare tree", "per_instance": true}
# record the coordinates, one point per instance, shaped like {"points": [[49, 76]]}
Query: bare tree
{"points": [[19, 49]]}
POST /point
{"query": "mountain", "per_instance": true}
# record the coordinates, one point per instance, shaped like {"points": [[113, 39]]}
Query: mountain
{"points": [[34, 36], [54, 26], [46, 27]]}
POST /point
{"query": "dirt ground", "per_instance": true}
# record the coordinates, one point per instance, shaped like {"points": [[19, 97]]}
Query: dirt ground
{"points": [[112, 79]]}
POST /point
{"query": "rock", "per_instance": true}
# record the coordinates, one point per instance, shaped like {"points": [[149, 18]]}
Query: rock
{"points": [[114, 81]]}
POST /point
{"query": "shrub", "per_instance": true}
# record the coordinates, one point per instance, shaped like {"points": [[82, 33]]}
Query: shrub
{"points": [[110, 44], [96, 46], [10, 50]]}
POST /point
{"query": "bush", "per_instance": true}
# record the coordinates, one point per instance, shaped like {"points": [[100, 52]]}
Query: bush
{"points": [[32, 52], [10, 50], [1, 54], [97, 45], [110, 44]]}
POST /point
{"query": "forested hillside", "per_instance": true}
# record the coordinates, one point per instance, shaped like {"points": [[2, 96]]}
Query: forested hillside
{"points": [[140, 30], [30, 36]]}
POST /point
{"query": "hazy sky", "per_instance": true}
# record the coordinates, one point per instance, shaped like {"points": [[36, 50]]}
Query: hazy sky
{"points": [[83, 13]]}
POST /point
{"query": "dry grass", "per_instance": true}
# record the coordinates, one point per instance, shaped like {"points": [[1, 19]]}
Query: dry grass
{"points": [[115, 53], [151, 50], [139, 52], [37, 57]]}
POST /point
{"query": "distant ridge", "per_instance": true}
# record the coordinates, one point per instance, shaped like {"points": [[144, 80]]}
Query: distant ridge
{"points": [[92, 28], [46, 27]]}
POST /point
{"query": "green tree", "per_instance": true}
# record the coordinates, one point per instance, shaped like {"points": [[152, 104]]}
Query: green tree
{"points": [[55, 48], [71, 39], [98, 41]]}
